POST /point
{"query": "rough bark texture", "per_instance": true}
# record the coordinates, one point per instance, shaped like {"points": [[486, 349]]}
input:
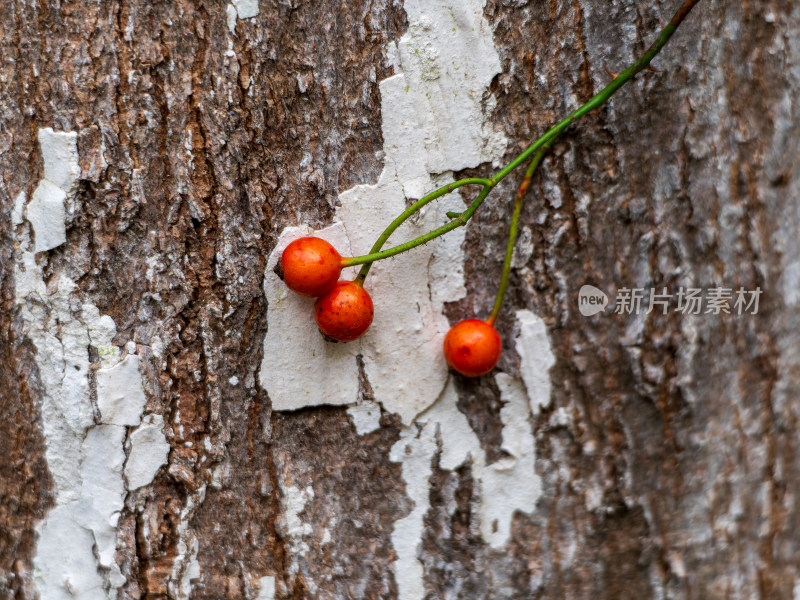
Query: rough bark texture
{"points": [[669, 452]]}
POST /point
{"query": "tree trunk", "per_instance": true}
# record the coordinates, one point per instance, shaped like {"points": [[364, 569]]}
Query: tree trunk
{"points": [[173, 425]]}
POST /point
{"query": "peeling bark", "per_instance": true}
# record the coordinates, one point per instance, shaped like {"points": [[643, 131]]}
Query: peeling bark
{"points": [[666, 445]]}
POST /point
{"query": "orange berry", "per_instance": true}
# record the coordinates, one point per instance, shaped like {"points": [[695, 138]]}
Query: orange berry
{"points": [[345, 312], [472, 347], [311, 266]]}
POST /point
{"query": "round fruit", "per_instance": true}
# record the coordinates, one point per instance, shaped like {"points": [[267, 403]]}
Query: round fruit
{"points": [[472, 347], [311, 266], [344, 313]]}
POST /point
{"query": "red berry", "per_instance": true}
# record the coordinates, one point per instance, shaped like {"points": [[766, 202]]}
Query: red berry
{"points": [[345, 312], [472, 347], [311, 266]]}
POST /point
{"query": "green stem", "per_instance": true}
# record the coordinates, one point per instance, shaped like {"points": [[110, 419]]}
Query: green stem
{"points": [[431, 235], [450, 187], [600, 98], [512, 234]]}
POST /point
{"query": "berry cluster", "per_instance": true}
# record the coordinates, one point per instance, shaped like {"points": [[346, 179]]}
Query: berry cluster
{"points": [[311, 267], [344, 311]]}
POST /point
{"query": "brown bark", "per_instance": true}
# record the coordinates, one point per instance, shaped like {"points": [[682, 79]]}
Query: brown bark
{"points": [[675, 474]]}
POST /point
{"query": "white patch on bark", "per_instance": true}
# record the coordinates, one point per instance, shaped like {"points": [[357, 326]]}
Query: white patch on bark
{"points": [[246, 9], [366, 417], [103, 493], [63, 569], [510, 484], [60, 157], [85, 458], [243, 9], [186, 567], [47, 215], [536, 358], [120, 397], [506, 486], [77, 539], [294, 502], [46, 211], [414, 451], [19, 208], [102, 330], [266, 588], [230, 14], [148, 452]]}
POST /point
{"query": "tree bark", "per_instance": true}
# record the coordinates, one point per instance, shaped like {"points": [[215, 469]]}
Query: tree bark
{"points": [[153, 444]]}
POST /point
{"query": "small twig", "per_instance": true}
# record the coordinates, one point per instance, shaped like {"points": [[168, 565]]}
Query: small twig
{"points": [[512, 233]]}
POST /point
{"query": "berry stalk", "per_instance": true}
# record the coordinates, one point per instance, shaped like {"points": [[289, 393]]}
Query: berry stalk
{"points": [[488, 184], [512, 233]]}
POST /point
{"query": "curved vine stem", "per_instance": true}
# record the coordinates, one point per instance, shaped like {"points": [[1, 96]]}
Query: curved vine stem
{"points": [[512, 232], [442, 191], [597, 100]]}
